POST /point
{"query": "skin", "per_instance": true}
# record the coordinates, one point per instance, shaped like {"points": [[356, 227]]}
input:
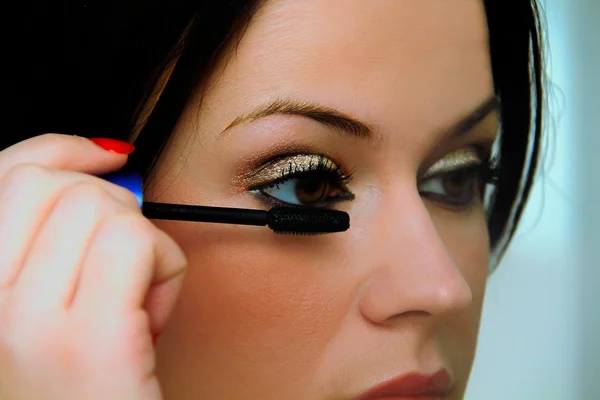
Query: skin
{"points": [[263, 316], [69, 238]]}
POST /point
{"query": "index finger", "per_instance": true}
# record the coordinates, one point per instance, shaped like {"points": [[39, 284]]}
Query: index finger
{"points": [[65, 152]]}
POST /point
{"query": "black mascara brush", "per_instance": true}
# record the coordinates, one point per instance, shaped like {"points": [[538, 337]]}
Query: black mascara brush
{"points": [[292, 220], [279, 219]]}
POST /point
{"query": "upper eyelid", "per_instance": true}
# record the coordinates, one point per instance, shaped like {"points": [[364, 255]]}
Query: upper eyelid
{"points": [[293, 175], [292, 158], [457, 168], [454, 162], [288, 166]]}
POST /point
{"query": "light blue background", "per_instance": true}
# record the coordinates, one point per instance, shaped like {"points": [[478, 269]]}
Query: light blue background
{"points": [[540, 334]]}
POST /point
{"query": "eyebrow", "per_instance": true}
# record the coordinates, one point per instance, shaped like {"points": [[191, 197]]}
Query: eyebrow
{"points": [[467, 123], [327, 116], [349, 125]]}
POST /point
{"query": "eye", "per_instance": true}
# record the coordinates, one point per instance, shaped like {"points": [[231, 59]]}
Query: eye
{"points": [[458, 179], [303, 180], [457, 188], [310, 189]]}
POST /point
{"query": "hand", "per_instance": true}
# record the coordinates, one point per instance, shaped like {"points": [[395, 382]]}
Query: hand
{"points": [[85, 279]]}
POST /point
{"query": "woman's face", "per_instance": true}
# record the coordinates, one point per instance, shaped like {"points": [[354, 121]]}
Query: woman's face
{"points": [[388, 91]]}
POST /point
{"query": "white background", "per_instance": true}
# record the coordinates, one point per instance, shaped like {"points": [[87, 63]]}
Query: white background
{"points": [[540, 334]]}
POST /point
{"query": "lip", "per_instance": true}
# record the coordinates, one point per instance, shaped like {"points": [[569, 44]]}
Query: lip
{"points": [[412, 386]]}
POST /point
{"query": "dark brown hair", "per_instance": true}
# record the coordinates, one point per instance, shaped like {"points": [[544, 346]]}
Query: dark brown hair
{"points": [[91, 68]]}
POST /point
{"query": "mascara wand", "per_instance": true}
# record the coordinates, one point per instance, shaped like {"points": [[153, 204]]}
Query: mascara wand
{"points": [[290, 220], [279, 219]]}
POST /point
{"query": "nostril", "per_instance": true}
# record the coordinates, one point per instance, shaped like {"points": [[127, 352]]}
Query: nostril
{"points": [[414, 314]]}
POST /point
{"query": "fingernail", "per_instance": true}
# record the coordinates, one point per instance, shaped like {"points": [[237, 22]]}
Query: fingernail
{"points": [[113, 145]]}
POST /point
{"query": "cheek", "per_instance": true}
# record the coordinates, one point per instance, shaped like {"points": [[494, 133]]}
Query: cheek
{"points": [[259, 299], [468, 243], [466, 238]]}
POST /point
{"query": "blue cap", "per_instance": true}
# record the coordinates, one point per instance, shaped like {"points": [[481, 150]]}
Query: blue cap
{"points": [[131, 181]]}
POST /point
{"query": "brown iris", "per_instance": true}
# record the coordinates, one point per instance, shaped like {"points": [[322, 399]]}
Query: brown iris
{"points": [[312, 190], [457, 183], [300, 179]]}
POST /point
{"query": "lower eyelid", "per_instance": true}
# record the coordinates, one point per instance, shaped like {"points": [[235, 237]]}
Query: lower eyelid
{"points": [[344, 195]]}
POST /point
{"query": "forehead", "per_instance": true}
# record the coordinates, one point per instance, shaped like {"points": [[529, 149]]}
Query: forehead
{"points": [[376, 59]]}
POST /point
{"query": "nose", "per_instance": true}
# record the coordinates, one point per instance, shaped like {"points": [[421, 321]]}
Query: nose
{"points": [[411, 271]]}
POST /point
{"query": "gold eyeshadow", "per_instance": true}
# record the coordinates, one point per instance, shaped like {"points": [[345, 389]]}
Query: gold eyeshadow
{"points": [[454, 161], [283, 167]]}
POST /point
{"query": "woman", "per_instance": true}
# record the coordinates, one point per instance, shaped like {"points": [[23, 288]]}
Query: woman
{"points": [[386, 110]]}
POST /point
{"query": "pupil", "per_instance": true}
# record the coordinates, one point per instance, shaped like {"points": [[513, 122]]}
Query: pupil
{"points": [[456, 184], [311, 190]]}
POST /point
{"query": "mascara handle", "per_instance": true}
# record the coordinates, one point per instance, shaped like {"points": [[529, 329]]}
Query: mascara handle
{"points": [[131, 181]]}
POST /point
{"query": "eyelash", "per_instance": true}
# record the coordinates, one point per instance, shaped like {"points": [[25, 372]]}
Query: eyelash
{"points": [[324, 165], [485, 173], [324, 169], [490, 171]]}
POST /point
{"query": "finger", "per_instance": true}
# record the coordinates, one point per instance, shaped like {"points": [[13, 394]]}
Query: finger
{"points": [[127, 257], [62, 152], [27, 195], [49, 274], [160, 302]]}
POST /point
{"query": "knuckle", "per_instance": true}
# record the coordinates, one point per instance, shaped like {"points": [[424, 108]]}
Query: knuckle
{"points": [[140, 230], [55, 146], [84, 194], [135, 231], [19, 182], [23, 175], [86, 191], [85, 198]]}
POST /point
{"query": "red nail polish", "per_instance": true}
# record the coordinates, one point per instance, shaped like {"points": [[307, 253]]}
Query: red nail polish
{"points": [[113, 145]]}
